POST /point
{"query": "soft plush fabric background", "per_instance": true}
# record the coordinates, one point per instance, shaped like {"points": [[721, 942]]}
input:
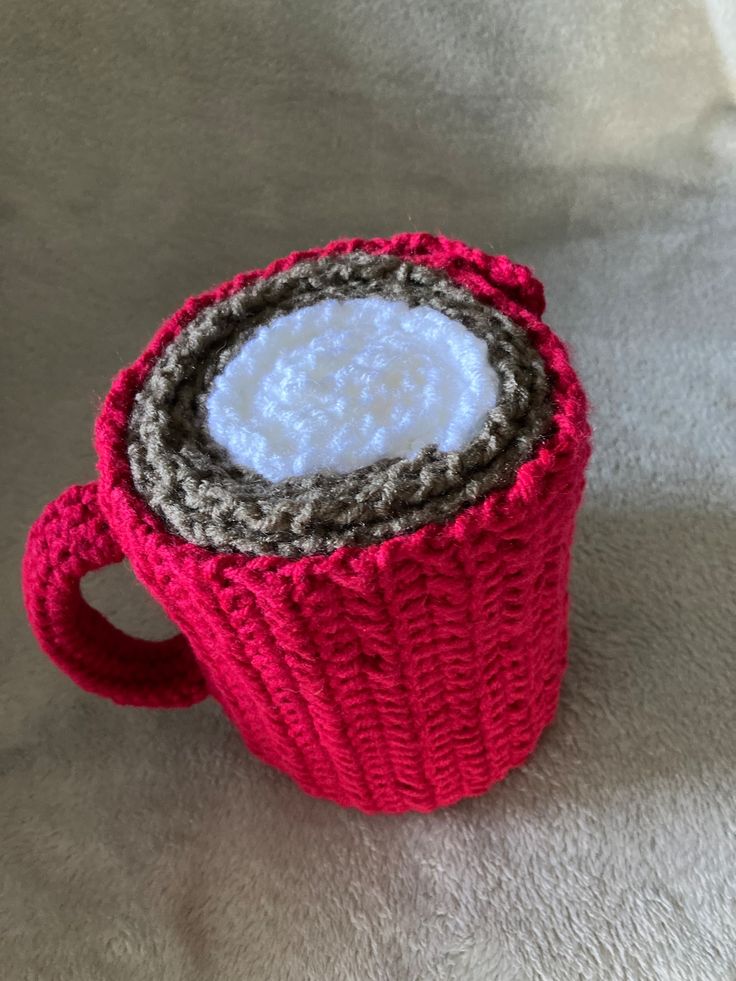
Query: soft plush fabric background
{"points": [[152, 148]]}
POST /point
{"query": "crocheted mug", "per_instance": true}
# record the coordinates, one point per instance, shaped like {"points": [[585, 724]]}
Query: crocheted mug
{"points": [[350, 479]]}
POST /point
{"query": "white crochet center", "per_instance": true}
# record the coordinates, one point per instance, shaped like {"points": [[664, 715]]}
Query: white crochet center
{"points": [[343, 383]]}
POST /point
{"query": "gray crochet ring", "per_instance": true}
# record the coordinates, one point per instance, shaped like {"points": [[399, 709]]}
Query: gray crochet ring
{"points": [[201, 494]]}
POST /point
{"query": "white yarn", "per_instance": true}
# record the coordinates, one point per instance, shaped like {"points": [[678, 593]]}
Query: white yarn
{"points": [[343, 383]]}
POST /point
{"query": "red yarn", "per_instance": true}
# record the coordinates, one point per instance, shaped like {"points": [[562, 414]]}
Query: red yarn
{"points": [[399, 676]]}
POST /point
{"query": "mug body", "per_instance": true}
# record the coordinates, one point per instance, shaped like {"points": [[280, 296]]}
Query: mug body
{"points": [[404, 677]]}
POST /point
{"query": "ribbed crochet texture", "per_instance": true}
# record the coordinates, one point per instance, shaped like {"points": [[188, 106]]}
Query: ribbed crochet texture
{"points": [[400, 675]]}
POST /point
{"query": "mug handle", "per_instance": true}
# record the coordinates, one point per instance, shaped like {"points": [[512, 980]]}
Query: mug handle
{"points": [[69, 539]]}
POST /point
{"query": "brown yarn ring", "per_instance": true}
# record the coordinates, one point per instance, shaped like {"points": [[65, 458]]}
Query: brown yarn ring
{"points": [[190, 481]]}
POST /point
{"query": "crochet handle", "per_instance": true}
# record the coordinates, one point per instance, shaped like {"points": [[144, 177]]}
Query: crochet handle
{"points": [[70, 539]]}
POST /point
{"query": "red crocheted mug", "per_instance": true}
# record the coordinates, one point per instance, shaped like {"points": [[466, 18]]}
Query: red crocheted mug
{"points": [[393, 638]]}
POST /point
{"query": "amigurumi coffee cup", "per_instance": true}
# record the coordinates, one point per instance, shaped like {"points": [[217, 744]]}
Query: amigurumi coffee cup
{"points": [[351, 480]]}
